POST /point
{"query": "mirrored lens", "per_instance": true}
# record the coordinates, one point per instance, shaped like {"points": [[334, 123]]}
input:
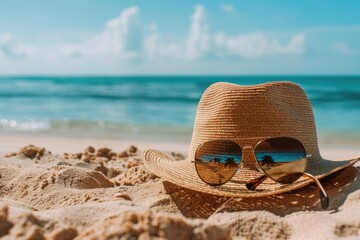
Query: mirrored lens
{"points": [[217, 161], [283, 159]]}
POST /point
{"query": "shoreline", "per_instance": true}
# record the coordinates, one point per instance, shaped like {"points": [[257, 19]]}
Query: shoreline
{"points": [[62, 144], [71, 144]]}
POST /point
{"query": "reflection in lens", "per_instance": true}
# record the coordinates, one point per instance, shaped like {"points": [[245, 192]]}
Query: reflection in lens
{"points": [[283, 159], [217, 161]]}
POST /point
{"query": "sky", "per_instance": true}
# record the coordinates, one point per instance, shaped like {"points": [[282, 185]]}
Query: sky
{"points": [[91, 37]]}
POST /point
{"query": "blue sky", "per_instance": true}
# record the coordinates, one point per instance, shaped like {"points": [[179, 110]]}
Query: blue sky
{"points": [[181, 38]]}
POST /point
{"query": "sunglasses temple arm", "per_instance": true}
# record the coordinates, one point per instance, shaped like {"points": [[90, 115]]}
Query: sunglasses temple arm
{"points": [[252, 184], [324, 199]]}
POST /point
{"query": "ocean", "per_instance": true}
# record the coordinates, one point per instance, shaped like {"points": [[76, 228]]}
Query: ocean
{"points": [[153, 107]]}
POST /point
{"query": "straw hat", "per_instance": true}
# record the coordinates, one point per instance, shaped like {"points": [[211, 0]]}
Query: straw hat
{"points": [[235, 112]]}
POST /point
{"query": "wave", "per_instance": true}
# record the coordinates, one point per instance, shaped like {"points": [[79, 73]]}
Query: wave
{"points": [[134, 104], [29, 125], [91, 128], [165, 89], [160, 98]]}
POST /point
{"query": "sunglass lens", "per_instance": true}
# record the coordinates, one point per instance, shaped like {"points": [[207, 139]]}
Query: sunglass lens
{"points": [[283, 159], [217, 161]]}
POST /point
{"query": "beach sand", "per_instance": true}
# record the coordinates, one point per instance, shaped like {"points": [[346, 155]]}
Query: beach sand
{"points": [[80, 188]]}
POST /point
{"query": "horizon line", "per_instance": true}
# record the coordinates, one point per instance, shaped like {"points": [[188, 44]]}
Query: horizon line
{"points": [[171, 75]]}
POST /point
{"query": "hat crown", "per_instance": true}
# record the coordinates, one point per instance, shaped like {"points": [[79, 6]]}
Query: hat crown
{"points": [[230, 111]]}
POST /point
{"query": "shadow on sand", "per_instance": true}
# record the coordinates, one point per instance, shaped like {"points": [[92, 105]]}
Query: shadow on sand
{"points": [[195, 204]]}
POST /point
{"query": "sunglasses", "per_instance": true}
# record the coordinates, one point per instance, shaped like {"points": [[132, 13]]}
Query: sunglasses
{"points": [[282, 159]]}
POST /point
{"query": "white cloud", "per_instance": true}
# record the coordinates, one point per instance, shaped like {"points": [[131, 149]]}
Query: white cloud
{"points": [[153, 26], [198, 40], [121, 37], [150, 42], [296, 45], [342, 48], [256, 45], [125, 37], [12, 49], [125, 40], [228, 8]]}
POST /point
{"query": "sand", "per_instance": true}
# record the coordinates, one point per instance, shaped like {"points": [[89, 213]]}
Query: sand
{"points": [[76, 189]]}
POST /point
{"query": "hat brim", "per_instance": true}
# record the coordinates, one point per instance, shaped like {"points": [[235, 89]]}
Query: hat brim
{"points": [[183, 173]]}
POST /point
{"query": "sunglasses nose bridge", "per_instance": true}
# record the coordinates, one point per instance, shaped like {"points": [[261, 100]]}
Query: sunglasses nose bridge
{"points": [[248, 158], [246, 147]]}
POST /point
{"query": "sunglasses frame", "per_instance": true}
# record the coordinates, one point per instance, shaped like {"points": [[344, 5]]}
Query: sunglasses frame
{"points": [[237, 166], [253, 147], [303, 147], [252, 184]]}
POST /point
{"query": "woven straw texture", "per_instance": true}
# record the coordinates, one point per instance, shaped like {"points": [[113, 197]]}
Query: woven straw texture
{"points": [[246, 115]]}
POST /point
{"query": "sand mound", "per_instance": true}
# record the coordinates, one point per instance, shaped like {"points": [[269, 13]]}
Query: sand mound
{"points": [[135, 175], [32, 152], [28, 226], [108, 162], [347, 230], [79, 178], [57, 187], [147, 225], [90, 154], [124, 168], [105, 221], [253, 225], [72, 181], [5, 225]]}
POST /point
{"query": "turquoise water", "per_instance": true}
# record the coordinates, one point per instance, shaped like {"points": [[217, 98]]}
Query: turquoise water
{"points": [[222, 158], [115, 106], [278, 157], [281, 157]]}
